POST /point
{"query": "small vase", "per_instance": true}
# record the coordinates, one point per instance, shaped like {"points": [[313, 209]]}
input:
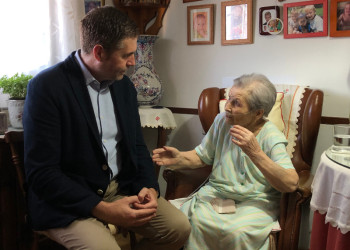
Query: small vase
{"points": [[15, 109], [146, 80]]}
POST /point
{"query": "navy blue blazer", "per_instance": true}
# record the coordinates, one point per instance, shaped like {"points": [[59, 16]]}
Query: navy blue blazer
{"points": [[64, 161]]}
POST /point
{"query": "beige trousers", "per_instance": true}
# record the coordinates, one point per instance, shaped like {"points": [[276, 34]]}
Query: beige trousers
{"points": [[168, 230]]}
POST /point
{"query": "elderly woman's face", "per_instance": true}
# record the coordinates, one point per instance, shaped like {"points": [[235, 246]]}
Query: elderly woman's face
{"points": [[237, 109]]}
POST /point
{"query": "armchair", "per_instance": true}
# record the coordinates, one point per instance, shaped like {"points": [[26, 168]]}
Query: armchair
{"points": [[180, 183]]}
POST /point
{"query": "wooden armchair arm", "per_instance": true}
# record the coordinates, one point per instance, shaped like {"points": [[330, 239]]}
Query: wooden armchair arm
{"points": [[305, 181], [182, 182]]}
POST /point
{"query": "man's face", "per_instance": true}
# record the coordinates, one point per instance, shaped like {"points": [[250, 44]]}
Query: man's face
{"points": [[310, 14], [267, 17], [200, 24], [302, 21], [347, 9], [114, 66]]}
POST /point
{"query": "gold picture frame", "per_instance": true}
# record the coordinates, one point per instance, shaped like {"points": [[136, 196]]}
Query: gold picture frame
{"points": [[200, 24], [236, 22]]}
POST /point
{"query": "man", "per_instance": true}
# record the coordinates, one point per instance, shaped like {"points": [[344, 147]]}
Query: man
{"points": [[85, 158]]}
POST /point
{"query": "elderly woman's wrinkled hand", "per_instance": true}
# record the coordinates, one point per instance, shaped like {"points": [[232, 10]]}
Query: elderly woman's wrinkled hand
{"points": [[166, 156], [245, 139]]}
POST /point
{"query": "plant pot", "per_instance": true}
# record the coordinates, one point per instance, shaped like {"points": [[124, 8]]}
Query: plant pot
{"points": [[15, 108]]}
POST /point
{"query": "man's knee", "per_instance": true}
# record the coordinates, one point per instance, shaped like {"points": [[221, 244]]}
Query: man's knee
{"points": [[179, 230], [84, 234]]}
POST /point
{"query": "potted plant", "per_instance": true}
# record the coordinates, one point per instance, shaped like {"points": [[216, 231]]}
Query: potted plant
{"points": [[16, 88]]}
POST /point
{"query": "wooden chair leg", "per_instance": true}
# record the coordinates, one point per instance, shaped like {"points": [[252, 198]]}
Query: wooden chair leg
{"points": [[132, 240]]}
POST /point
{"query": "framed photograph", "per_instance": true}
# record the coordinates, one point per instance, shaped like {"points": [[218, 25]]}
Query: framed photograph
{"points": [[200, 24], [340, 18], [306, 19], [265, 15], [236, 22], [92, 4]]}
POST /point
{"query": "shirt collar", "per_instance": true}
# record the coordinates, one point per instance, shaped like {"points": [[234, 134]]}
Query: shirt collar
{"points": [[89, 79]]}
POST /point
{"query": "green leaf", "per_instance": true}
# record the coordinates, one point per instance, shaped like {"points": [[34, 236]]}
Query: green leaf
{"points": [[15, 86]]}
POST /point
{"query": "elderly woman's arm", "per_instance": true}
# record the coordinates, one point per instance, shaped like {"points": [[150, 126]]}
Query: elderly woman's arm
{"points": [[284, 180], [167, 156]]}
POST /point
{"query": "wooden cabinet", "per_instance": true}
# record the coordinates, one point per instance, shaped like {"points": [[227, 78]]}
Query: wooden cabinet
{"points": [[8, 200], [148, 14]]}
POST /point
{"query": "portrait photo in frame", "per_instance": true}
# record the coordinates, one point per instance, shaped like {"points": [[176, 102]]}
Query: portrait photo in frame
{"points": [[187, 1], [236, 22], [92, 4], [306, 19], [200, 24], [339, 18], [265, 15]]}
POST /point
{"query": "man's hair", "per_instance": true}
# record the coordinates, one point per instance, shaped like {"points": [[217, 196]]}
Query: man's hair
{"points": [[268, 13], [108, 27], [261, 93], [310, 7]]}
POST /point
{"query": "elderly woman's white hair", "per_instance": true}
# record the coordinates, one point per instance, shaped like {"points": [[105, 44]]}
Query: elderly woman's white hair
{"points": [[261, 93]]}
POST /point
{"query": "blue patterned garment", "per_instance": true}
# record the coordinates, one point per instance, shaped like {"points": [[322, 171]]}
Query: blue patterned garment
{"points": [[234, 176]]}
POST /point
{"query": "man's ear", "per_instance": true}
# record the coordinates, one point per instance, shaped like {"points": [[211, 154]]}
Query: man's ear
{"points": [[98, 52]]}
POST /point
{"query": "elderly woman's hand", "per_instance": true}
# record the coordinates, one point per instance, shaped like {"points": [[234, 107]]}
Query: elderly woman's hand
{"points": [[245, 139]]}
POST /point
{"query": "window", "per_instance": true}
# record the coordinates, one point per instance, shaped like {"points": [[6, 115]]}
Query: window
{"points": [[25, 41]]}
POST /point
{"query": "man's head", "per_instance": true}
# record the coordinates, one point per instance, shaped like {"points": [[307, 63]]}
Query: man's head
{"points": [[347, 9], [302, 20], [200, 22], [267, 16], [310, 12], [106, 26]]}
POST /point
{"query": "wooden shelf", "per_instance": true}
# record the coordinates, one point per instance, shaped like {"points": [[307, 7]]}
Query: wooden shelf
{"points": [[143, 13]]}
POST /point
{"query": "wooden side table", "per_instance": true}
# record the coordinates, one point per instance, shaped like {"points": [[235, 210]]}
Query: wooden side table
{"points": [[160, 118]]}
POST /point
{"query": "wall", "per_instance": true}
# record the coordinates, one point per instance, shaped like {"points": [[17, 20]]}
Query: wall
{"points": [[320, 62]]}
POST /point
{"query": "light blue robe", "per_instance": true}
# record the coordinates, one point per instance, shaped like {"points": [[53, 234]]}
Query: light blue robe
{"points": [[234, 176]]}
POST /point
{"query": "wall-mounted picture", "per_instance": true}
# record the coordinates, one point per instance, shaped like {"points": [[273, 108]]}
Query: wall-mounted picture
{"points": [[200, 24], [92, 4], [306, 19], [340, 18], [187, 1], [236, 22], [265, 15]]}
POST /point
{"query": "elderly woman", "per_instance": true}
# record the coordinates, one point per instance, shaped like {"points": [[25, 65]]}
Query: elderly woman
{"points": [[238, 206]]}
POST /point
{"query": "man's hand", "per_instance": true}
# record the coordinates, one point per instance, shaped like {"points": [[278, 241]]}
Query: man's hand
{"points": [[129, 211], [147, 199]]}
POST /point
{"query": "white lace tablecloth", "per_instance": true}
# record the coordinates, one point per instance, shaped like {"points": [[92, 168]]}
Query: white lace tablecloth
{"points": [[154, 118], [331, 193]]}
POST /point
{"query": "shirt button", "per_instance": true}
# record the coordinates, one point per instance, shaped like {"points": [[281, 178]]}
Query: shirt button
{"points": [[104, 167], [100, 192]]}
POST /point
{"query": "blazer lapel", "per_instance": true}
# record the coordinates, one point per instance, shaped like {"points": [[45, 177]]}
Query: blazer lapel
{"points": [[77, 81]]}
